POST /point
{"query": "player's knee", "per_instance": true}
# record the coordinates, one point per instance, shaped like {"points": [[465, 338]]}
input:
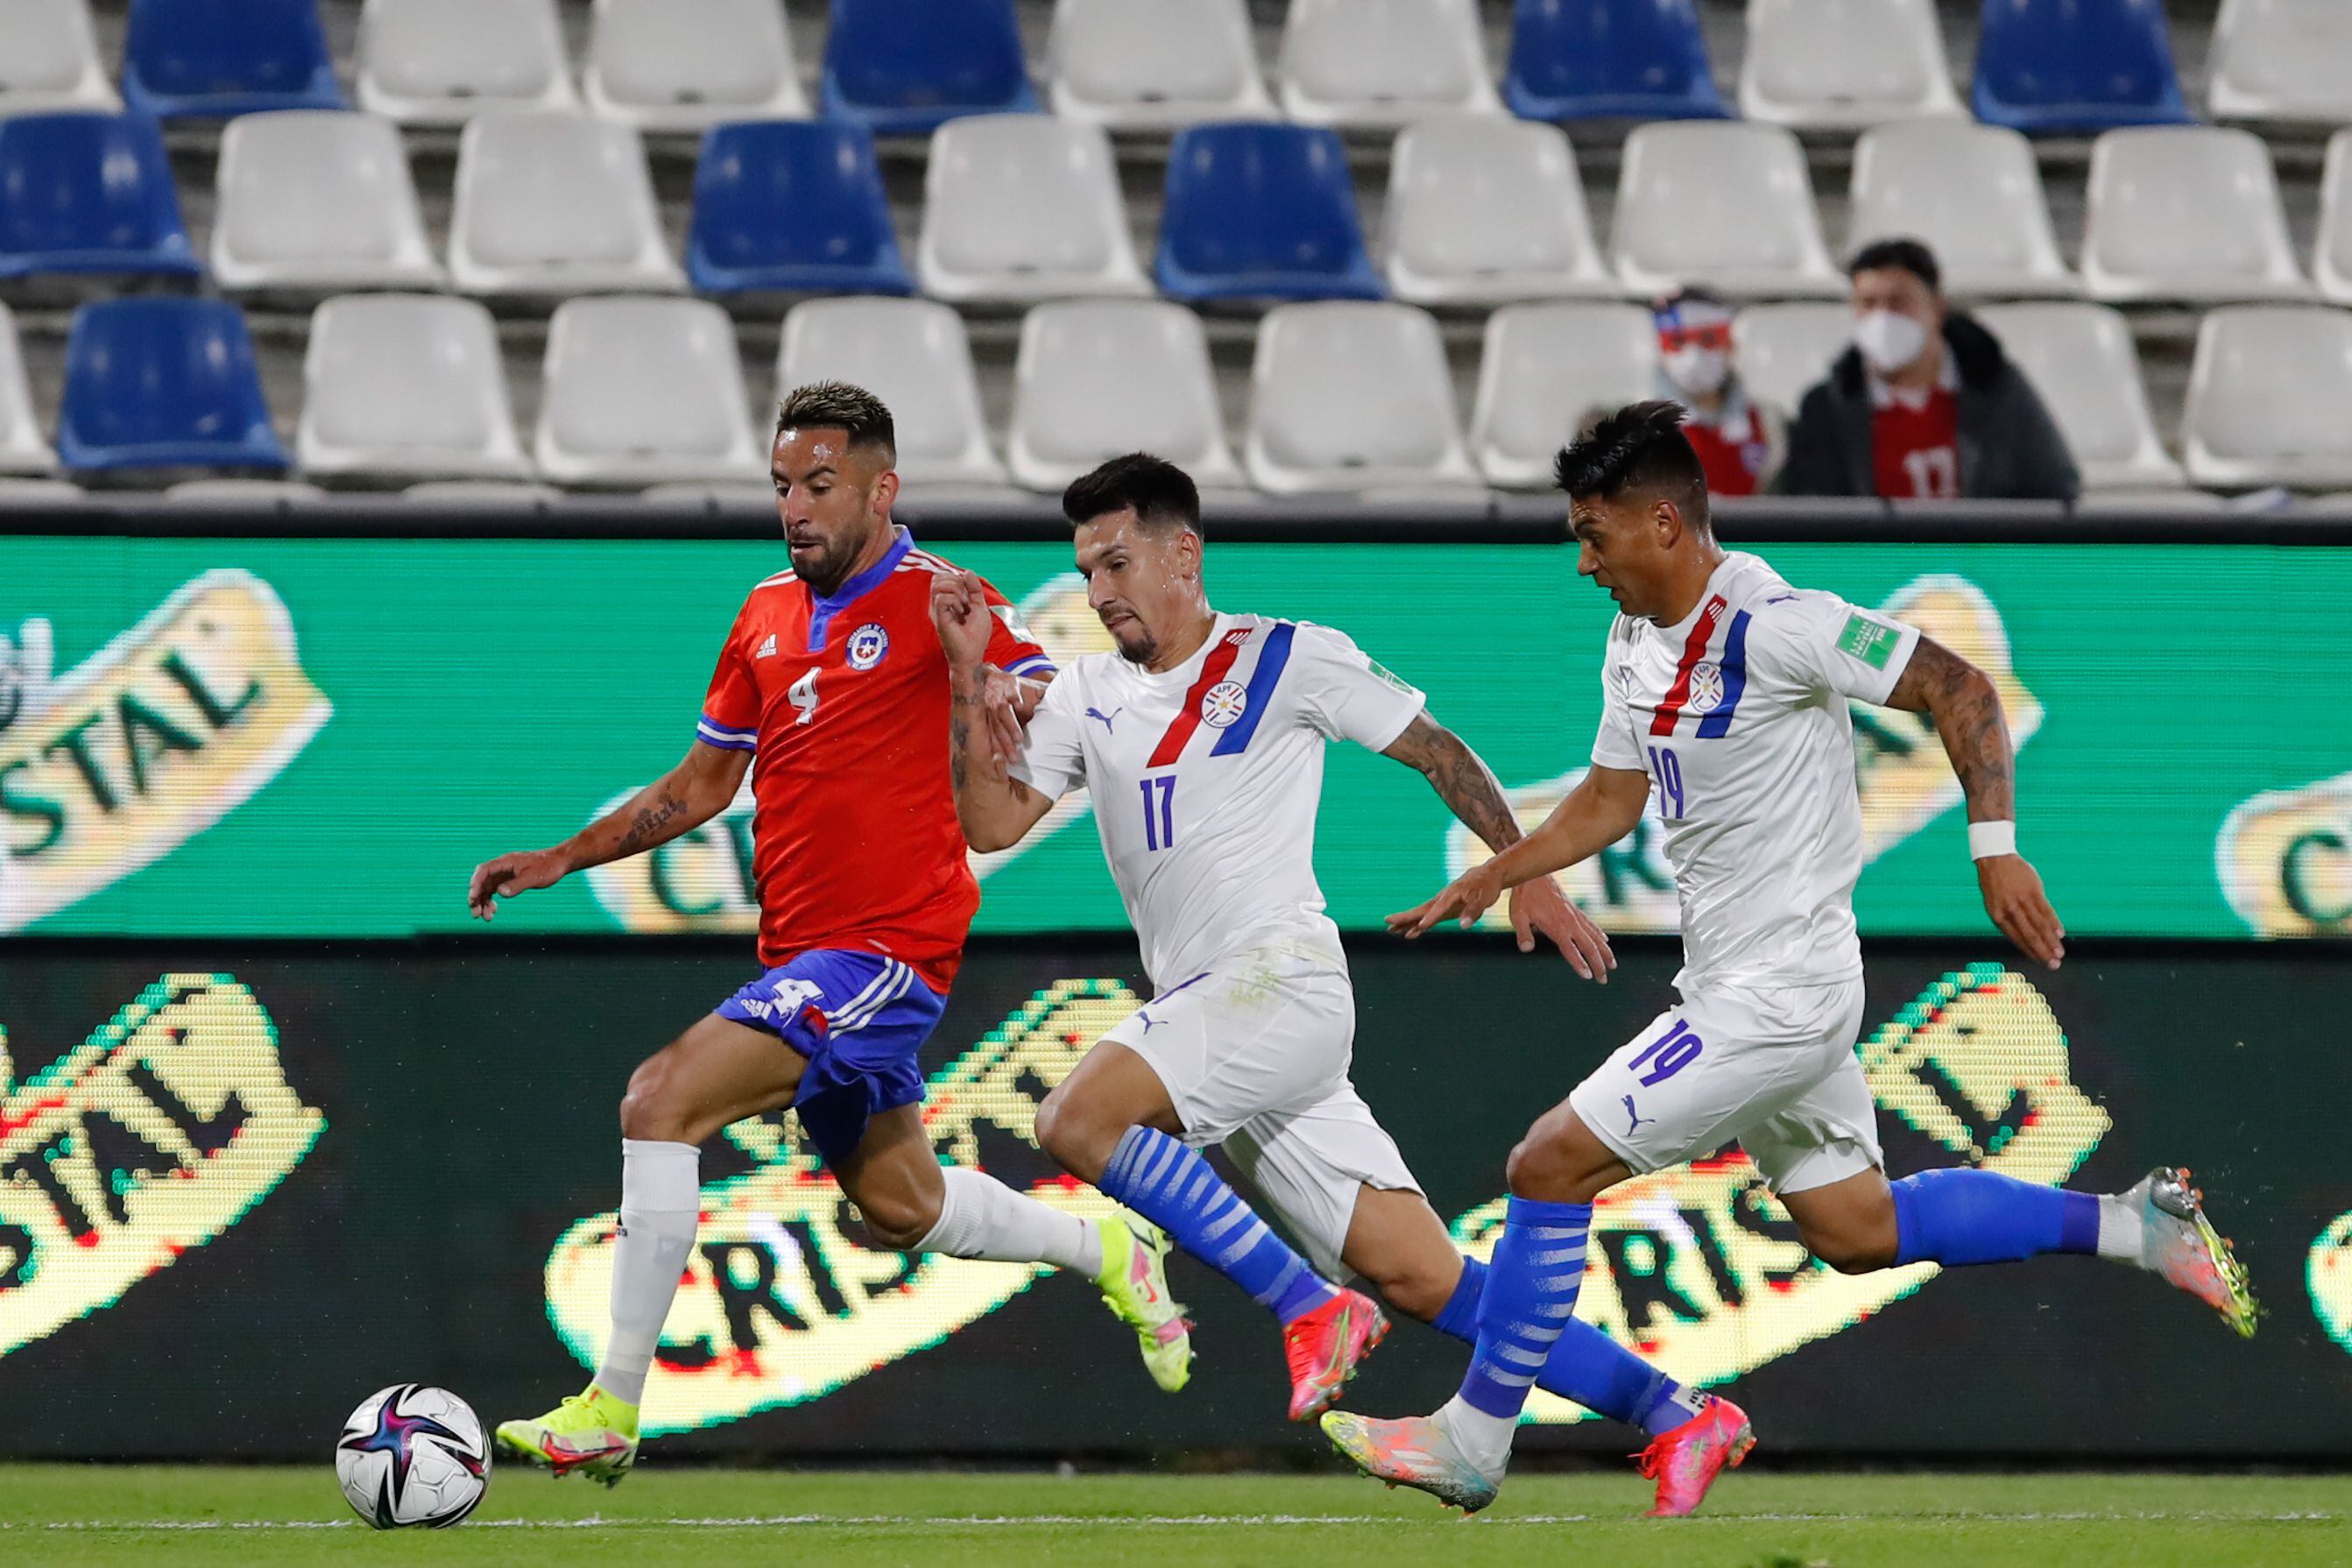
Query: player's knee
{"points": [[1545, 1168], [897, 1223], [650, 1107]]}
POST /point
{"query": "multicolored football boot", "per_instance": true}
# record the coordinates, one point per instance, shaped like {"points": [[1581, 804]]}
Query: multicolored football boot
{"points": [[1686, 1460], [592, 1435], [1324, 1348], [1418, 1452], [1134, 1284], [2181, 1245]]}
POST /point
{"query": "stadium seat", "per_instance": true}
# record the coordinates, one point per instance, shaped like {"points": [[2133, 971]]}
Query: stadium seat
{"points": [[89, 193], [2280, 61], [405, 385], [160, 382], [1783, 350], [1023, 207], [1352, 395], [791, 206], [1155, 65], [2187, 212], [904, 67], [1482, 210], [1841, 65], [43, 493], [441, 62], [48, 59], [265, 495], [1099, 377], [1543, 369], [687, 65], [1973, 191], [712, 495], [1730, 207], [2075, 68], [554, 203], [1380, 64], [317, 199], [2080, 359], [914, 355], [214, 58], [638, 392], [1256, 211], [500, 494], [2331, 262], [22, 449], [1608, 60], [2267, 398]]}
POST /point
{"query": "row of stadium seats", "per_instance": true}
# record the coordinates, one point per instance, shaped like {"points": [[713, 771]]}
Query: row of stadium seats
{"points": [[1345, 396], [903, 67], [1023, 207]]}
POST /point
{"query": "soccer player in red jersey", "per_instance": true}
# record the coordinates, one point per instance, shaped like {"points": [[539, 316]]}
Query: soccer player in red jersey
{"points": [[832, 689]]}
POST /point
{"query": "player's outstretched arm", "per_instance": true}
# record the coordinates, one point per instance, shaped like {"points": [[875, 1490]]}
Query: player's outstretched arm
{"points": [[1966, 707], [1470, 790], [997, 810], [1603, 808], [681, 800]]}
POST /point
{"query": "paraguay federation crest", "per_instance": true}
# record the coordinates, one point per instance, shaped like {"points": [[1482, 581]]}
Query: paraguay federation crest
{"points": [[867, 644], [1706, 687], [1223, 703]]}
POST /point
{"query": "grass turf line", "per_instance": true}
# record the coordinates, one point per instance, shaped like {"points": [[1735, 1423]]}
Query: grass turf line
{"points": [[98, 1516]]}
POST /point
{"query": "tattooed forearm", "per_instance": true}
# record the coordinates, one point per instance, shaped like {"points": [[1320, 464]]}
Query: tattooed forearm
{"points": [[645, 828], [1966, 707], [1462, 781]]}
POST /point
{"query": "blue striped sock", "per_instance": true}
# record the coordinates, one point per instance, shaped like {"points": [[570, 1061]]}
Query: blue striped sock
{"points": [[1585, 1365], [1529, 1297], [1176, 1189]]}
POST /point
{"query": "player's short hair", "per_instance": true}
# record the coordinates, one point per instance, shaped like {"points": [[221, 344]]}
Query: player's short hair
{"points": [[1163, 495], [1903, 255], [838, 406], [1640, 450]]}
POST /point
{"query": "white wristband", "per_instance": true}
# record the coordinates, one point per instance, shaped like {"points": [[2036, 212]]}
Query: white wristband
{"points": [[1987, 839]]}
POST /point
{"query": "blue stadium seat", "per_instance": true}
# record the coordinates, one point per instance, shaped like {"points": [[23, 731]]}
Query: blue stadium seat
{"points": [[791, 205], [1260, 211], [900, 67], [2075, 68], [89, 193], [1594, 59], [219, 57], [157, 382]]}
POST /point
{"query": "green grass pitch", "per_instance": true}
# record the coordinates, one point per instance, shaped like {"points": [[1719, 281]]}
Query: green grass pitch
{"points": [[191, 1517]]}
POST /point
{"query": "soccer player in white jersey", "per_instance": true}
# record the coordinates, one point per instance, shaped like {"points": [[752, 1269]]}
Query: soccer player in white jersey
{"points": [[1724, 696], [1201, 741]]}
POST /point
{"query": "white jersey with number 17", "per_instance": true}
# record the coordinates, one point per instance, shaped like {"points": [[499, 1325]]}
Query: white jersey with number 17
{"points": [[1206, 777]]}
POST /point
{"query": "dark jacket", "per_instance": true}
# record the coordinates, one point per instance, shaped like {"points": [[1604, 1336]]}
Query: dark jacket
{"points": [[2010, 447]]}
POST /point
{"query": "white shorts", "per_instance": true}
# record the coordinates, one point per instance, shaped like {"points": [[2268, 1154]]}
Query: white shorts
{"points": [[1772, 1066], [1255, 1056]]}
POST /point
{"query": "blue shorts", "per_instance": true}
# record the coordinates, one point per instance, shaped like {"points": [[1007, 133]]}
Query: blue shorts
{"points": [[860, 1019]]}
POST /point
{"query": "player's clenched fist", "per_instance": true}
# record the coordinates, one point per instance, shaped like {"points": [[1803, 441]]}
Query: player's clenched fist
{"points": [[960, 611], [509, 874]]}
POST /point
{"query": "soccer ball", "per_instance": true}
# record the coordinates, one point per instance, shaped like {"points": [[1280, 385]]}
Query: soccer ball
{"points": [[412, 1455]]}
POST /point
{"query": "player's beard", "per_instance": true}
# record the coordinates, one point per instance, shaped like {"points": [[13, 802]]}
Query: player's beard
{"points": [[834, 557], [1137, 648]]}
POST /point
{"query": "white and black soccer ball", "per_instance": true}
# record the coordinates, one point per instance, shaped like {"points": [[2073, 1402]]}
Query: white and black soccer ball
{"points": [[412, 1455]]}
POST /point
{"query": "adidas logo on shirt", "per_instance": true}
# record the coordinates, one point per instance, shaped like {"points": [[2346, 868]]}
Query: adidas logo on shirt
{"points": [[768, 649]]}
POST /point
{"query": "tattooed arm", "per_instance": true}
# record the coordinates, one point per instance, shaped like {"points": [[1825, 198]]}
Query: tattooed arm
{"points": [[1469, 789], [1966, 707], [681, 800], [995, 809]]}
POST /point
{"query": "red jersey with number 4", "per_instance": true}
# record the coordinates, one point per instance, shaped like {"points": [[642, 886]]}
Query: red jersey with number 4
{"points": [[843, 700], [1915, 447]]}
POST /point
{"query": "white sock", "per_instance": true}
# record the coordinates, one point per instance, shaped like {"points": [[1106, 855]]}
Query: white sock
{"points": [[2122, 1228], [661, 1196], [979, 1216], [1485, 1441]]}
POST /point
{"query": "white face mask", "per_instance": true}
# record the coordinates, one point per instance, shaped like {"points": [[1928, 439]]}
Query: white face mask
{"points": [[1889, 340], [1699, 371]]}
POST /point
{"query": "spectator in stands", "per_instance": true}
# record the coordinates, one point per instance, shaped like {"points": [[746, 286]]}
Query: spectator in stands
{"points": [[1925, 405], [1740, 442]]}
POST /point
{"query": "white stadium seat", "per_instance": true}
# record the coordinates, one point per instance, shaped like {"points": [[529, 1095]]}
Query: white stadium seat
{"points": [[2186, 212], [1719, 203], [1545, 367], [406, 386], [2331, 260], [497, 494], [1973, 193], [2267, 398], [49, 59], [1099, 377], [41, 493], [1020, 207], [22, 448], [1380, 64], [318, 199], [441, 62], [2080, 358], [1352, 395], [717, 493], [1155, 65], [1782, 350], [687, 65], [1485, 209], [2280, 61], [1841, 65], [915, 356], [265, 493], [555, 202], [642, 391]]}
